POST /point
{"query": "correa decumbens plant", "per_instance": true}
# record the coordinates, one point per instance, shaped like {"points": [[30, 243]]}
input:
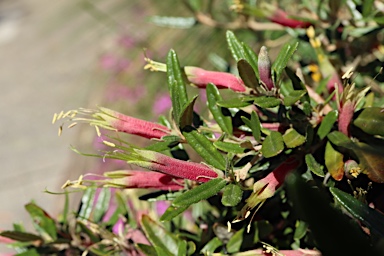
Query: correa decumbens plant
{"points": [[273, 167]]}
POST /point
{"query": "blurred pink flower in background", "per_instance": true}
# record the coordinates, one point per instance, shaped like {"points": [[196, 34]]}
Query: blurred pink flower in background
{"points": [[113, 63], [116, 91], [162, 104]]}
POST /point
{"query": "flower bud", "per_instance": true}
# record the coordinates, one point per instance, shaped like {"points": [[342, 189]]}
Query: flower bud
{"points": [[264, 66], [222, 80]]}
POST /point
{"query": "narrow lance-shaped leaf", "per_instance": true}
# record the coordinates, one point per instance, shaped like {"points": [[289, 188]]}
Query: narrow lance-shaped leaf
{"points": [[87, 203], [229, 147], [213, 96], [282, 59], [176, 85], [101, 204], [201, 192], [235, 46], [204, 148], [254, 124], [370, 217], [44, 224], [172, 212], [159, 236]]}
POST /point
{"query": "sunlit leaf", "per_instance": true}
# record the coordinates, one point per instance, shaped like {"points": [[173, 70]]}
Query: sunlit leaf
{"points": [[293, 139], [232, 195], [87, 203], [334, 162], [272, 145]]}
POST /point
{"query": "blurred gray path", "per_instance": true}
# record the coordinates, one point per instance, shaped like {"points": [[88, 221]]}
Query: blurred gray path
{"points": [[44, 68]]}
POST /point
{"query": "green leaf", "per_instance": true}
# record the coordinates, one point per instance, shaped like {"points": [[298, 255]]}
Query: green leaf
{"points": [[213, 96], [176, 85], [272, 145], [102, 204], [30, 252], [334, 162], [282, 59], [235, 242], [159, 236], [205, 149], [211, 246], [371, 121], [251, 57], [147, 249], [235, 46], [186, 117], [182, 248], [87, 203], [293, 139], [232, 195], [84, 229], [340, 139], [21, 236], [229, 147], [201, 192], [173, 22], [300, 229], [254, 124], [293, 97], [167, 142], [371, 218], [172, 212], [314, 166], [43, 223], [333, 232], [327, 124], [247, 74], [236, 102], [266, 102]]}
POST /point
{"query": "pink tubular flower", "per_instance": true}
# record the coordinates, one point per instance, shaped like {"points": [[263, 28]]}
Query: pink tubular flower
{"points": [[264, 66], [222, 80], [145, 179], [280, 17], [181, 169], [266, 187]]}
